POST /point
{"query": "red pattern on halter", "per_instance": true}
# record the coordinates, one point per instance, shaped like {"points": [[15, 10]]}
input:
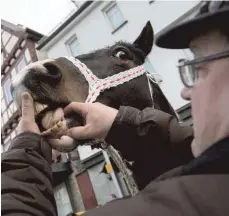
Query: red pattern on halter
{"points": [[96, 85]]}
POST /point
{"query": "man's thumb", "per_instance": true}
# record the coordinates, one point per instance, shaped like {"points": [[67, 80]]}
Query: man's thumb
{"points": [[27, 106], [80, 108]]}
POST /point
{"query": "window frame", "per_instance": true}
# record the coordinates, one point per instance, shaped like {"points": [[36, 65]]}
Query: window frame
{"points": [[69, 41], [18, 62], [5, 94], [106, 9]]}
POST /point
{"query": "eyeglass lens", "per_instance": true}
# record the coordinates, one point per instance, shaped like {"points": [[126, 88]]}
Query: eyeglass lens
{"points": [[188, 75]]}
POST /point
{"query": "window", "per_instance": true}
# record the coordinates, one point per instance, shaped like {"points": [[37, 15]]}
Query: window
{"points": [[73, 46], [8, 95], [115, 16], [27, 55], [21, 64]]}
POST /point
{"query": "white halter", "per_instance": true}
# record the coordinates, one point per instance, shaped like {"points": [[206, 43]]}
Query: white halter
{"points": [[96, 85]]}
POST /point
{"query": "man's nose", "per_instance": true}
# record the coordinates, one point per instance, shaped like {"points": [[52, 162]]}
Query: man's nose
{"points": [[186, 93]]}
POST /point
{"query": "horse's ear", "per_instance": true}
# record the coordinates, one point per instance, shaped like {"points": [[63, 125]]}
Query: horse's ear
{"points": [[145, 39]]}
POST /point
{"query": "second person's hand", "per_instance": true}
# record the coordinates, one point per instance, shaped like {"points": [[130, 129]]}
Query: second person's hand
{"points": [[98, 117]]}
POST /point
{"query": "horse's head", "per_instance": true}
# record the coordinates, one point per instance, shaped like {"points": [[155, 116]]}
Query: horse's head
{"points": [[57, 82]]}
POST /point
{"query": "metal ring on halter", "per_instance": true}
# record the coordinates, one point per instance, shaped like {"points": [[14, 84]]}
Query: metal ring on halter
{"points": [[150, 78]]}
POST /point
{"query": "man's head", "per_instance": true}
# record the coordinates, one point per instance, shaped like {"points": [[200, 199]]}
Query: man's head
{"points": [[206, 78]]}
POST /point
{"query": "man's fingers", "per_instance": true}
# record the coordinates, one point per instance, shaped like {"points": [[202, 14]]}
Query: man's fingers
{"points": [[46, 120], [58, 115], [79, 133], [80, 108], [63, 142], [27, 106]]}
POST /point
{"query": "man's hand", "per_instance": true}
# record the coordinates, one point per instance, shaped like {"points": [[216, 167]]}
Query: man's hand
{"points": [[99, 119], [27, 122]]}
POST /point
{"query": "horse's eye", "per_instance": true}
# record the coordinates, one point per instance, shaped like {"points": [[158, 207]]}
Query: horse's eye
{"points": [[121, 55]]}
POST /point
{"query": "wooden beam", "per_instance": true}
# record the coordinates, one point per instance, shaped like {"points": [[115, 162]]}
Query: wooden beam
{"points": [[11, 55]]}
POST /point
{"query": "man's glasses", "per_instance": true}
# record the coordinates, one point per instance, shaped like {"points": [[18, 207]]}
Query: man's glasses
{"points": [[187, 69]]}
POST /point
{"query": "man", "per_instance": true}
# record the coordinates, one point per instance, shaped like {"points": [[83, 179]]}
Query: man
{"points": [[201, 186]]}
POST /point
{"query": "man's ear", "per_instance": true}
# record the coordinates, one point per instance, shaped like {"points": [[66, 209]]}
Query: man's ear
{"points": [[145, 39]]}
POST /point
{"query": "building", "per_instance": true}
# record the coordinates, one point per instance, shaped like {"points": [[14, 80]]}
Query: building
{"points": [[17, 50]]}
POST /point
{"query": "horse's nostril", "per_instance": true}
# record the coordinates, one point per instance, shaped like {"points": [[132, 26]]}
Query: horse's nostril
{"points": [[53, 71]]}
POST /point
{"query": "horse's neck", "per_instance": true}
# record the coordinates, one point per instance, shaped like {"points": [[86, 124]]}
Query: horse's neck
{"points": [[161, 102]]}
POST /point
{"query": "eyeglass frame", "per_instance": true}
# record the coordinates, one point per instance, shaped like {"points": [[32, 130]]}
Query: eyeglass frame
{"points": [[185, 62]]}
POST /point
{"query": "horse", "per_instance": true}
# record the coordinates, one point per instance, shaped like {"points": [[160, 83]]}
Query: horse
{"points": [[57, 82]]}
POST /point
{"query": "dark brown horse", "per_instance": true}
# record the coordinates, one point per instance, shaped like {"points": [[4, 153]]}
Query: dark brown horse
{"points": [[57, 82]]}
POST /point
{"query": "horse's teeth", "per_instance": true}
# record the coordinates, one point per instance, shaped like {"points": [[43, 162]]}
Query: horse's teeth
{"points": [[39, 107]]}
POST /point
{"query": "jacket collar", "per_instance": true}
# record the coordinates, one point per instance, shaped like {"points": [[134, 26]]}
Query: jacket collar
{"points": [[214, 160]]}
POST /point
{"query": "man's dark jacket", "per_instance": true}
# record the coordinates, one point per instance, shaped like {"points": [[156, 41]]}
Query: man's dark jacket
{"points": [[198, 188]]}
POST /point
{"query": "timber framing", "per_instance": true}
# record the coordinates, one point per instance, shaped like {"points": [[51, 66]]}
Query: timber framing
{"points": [[24, 39]]}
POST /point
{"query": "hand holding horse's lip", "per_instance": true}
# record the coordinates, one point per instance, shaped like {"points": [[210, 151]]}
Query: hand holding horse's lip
{"points": [[53, 123]]}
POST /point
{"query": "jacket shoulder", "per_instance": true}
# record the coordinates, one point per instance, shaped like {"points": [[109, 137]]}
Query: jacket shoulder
{"points": [[184, 195]]}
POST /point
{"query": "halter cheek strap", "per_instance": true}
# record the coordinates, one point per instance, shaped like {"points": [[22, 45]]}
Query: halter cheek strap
{"points": [[96, 85]]}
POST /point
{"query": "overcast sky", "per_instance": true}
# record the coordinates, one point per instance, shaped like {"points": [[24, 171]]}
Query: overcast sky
{"points": [[39, 15]]}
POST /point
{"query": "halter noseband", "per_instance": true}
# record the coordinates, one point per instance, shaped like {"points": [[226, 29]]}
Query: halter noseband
{"points": [[96, 85]]}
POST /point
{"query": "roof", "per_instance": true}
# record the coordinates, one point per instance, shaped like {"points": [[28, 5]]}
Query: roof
{"points": [[45, 40], [32, 34]]}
